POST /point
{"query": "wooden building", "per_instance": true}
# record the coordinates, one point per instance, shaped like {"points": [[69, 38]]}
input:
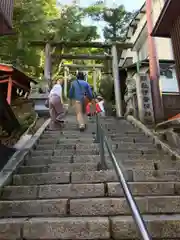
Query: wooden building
{"points": [[12, 79], [168, 26]]}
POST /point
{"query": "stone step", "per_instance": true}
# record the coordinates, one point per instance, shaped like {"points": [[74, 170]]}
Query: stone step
{"points": [[74, 137], [119, 206], [77, 146], [131, 139], [58, 167], [141, 164], [67, 134], [96, 177], [122, 227], [64, 177], [141, 157], [160, 227], [150, 164], [125, 132], [67, 137], [85, 207], [39, 160], [63, 133], [117, 125], [156, 175], [69, 145], [33, 208], [122, 159], [137, 151], [42, 146], [112, 189], [53, 191], [134, 146], [65, 152], [144, 189], [135, 175], [41, 178], [42, 153], [62, 140], [88, 207], [55, 228]]}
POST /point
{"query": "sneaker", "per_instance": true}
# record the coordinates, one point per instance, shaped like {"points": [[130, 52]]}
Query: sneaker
{"points": [[82, 128]]}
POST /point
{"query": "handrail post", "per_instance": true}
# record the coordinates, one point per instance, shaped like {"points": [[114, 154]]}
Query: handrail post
{"points": [[97, 140], [101, 144]]}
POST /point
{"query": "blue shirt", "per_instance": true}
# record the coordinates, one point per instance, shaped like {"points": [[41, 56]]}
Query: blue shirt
{"points": [[79, 89]]}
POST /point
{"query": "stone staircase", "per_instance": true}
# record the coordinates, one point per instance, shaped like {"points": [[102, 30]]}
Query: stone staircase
{"points": [[60, 192]]}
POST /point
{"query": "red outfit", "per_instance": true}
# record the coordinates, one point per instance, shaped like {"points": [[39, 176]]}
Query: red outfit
{"points": [[88, 109]]}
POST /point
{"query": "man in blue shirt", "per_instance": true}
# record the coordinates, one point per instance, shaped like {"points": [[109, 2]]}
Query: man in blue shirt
{"points": [[80, 91]]}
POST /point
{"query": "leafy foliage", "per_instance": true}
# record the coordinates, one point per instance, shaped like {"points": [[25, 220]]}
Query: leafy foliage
{"points": [[42, 20], [116, 20]]}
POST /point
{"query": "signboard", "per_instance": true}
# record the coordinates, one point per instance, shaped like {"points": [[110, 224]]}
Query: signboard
{"points": [[145, 106]]}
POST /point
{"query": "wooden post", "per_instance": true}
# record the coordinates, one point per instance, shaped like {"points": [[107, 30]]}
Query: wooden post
{"points": [[65, 81], [47, 67], [9, 91], [100, 75], [116, 79]]}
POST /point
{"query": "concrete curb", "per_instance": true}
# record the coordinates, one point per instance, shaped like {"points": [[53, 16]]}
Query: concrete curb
{"points": [[16, 146], [18, 157], [166, 148]]}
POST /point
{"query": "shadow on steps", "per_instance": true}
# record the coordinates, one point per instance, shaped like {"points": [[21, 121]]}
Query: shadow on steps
{"points": [[5, 153]]}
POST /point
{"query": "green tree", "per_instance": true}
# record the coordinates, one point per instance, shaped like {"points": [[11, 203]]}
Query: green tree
{"points": [[116, 20], [42, 20], [30, 22]]}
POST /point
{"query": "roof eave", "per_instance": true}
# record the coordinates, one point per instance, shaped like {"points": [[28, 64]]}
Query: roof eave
{"points": [[157, 28]]}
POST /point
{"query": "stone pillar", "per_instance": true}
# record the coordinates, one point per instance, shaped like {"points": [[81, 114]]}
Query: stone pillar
{"points": [[115, 70], [86, 76], [139, 92], [147, 114], [47, 67], [95, 80]]}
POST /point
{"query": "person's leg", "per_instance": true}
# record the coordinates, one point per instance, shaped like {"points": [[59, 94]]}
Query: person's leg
{"points": [[60, 113], [52, 113], [79, 114]]}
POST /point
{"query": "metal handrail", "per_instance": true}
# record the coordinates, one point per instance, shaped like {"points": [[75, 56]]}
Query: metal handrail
{"points": [[102, 139]]}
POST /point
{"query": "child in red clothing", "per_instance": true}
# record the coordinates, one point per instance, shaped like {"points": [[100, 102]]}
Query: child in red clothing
{"points": [[91, 110]]}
